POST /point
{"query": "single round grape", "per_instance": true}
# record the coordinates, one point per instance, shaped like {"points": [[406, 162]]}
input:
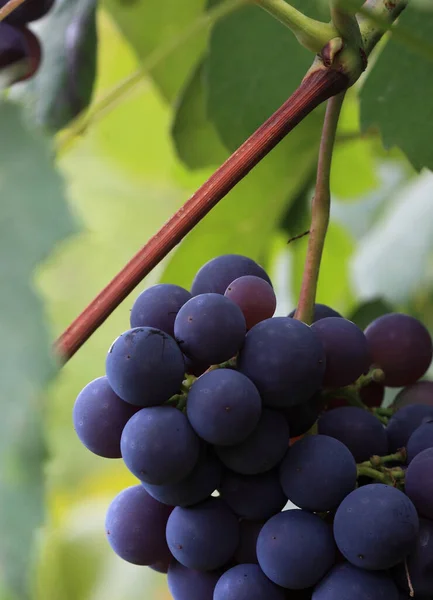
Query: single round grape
{"points": [[262, 450], [418, 393], [224, 407], [158, 306], [248, 533], [99, 416], [247, 582], [145, 366], [254, 296], [135, 526], [302, 417], [210, 328], [419, 483], [419, 564], [317, 473], [347, 582], [31, 10], [357, 429], [159, 445], [188, 584], [421, 439], [404, 422], [285, 359], [253, 497], [217, 274], [20, 47], [295, 549], [401, 346], [321, 311], [376, 527], [203, 480], [203, 537], [346, 350]]}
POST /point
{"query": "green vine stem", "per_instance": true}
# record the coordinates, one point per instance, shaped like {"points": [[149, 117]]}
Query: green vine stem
{"points": [[372, 474], [320, 212], [377, 461], [312, 34]]}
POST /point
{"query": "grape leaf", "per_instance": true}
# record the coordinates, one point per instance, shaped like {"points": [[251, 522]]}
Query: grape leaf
{"points": [[33, 217], [396, 95], [366, 312], [63, 86], [254, 63]]}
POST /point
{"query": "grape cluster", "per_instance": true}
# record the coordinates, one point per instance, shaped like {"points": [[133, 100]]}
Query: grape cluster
{"points": [[20, 49], [224, 413]]}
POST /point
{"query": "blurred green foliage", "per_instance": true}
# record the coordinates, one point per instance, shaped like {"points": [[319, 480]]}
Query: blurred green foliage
{"points": [[191, 89]]}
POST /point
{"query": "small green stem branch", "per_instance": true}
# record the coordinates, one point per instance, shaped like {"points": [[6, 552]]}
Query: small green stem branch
{"points": [[312, 34], [345, 23], [383, 412], [377, 461], [372, 474], [376, 17], [320, 212]]}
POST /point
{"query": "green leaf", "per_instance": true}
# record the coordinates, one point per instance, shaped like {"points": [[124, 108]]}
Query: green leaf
{"points": [[196, 140], [254, 64], [368, 311], [63, 86], [33, 218], [397, 93], [153, 25]]}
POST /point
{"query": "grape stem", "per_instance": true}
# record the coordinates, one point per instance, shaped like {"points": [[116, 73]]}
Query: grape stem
{"points": [[377, 461], [6, 10], [320, 212], [372, 474]]}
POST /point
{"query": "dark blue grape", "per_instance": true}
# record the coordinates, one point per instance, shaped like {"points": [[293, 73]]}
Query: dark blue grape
{"points": [[376, 527], [217, 274], [224, 407], [346, 350], [419, 483], [210, 328], [346, 582], [19, 48], [295, 549], [203, 537], [248, 533], [253, 497], [158, 306], [135, 526], [99, 417], [254, 296], [31, 10], [421, 439], [247, 582], [145, 366], [418, 393], [404, 422], [188, 584], [419, 564], [262, 450], [317, 473], [159, 445], [302, 417], [285, 359], [357, 429], [321, 311], [401, 346], [203, 480]]}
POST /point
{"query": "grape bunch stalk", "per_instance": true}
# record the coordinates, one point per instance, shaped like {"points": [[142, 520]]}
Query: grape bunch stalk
{"points": [[266, 467]]}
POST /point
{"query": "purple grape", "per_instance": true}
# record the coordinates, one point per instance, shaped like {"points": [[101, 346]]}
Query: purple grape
{"points": [[346, 582], [404, 422], [210, 328], [158, 306], [161, 566], [376, 527], [321, 311], [188, 584], [346, 350], [254, 296], [401, 346], [421, 439], [19, 46], [372, 394], [419, 483], [217, 274], [285, 359], [262, 450], [135, 526], [419, 564], [145, 366], [417, 393], [224, 407], [302, 417], [203, 537], [317, 473], [99, 417], [247, 582], [159, 445], [248, 533]]}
